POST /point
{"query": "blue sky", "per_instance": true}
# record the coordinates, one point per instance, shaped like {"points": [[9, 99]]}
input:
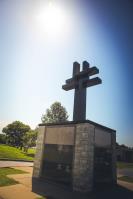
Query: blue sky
{"points": [[34, 65]]}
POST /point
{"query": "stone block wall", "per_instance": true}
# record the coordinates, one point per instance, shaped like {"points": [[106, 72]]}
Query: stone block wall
{"points": [[83, 158], [39, 153]]}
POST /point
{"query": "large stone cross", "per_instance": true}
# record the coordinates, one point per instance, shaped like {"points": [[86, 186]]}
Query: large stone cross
{"points": [[80, 81]]}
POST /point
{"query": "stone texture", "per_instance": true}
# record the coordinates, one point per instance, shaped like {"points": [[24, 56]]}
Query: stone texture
{"points": [[39, 152], [84, 158]]}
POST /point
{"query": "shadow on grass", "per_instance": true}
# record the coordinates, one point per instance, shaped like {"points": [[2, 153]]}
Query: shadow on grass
{"points": [[31, 155], [54, 191]]}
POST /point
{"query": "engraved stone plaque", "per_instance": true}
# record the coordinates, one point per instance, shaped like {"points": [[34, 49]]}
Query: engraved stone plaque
{"points": [[103, 156], [60, 135], [58, 156], [102, 138]]}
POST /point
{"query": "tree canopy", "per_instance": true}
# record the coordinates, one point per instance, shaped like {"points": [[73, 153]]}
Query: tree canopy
{"points": [[15, 132], [29, 139], [2, 138], [56, 113]]}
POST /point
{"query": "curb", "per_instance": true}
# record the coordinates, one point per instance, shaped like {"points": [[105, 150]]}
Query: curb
{"points": [[17, 160]]}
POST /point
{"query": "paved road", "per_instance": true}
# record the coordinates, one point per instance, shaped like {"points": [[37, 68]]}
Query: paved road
{"points": [[125, 172], [15, 164], [126, 185]]}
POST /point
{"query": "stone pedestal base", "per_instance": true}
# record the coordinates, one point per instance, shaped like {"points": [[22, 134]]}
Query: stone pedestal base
{"points": [[76, 151]]}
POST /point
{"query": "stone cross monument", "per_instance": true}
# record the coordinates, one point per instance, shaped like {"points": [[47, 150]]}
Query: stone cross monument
{"points": [[77, 154], [80, 81]]}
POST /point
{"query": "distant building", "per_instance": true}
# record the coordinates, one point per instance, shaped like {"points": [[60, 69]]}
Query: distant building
{"points": [[124, 153]]}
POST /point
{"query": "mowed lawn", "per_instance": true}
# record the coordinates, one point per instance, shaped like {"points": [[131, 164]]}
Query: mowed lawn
{"points": [[4, 180], [12, 153], [123, 165]]}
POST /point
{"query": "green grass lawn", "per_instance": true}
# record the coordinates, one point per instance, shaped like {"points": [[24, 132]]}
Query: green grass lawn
{"points": [[126, 178], [4, 180], [14, 153], [123, 165]]}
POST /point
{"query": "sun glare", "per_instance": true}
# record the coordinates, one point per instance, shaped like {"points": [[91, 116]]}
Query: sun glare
{"points": [[51, 19]]}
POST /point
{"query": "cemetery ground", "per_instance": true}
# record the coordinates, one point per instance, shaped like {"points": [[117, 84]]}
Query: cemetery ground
{"points": [[16, 182]]}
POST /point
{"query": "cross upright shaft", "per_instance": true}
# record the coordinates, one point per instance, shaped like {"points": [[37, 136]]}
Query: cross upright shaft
{"points": [[79, 110], [80, 81]]}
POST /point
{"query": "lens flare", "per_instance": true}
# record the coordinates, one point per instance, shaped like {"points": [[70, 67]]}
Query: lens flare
{"points": [[52, 19]]}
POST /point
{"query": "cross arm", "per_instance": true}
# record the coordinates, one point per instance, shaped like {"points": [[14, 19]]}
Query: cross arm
{"points": [[70, 86], [90, 71], [92, 82]]}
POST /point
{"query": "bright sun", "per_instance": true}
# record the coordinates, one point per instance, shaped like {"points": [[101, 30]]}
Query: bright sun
{"points": [[52, 19]]}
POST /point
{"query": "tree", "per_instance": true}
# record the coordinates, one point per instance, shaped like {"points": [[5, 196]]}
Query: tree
{"points": [[2, 138], [15, 132], [56, 113], [29, 139]]}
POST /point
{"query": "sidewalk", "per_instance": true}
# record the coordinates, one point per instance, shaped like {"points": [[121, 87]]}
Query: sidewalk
{"points": [[22, 190], [126, 185], [18, 191], [15, 164]]}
